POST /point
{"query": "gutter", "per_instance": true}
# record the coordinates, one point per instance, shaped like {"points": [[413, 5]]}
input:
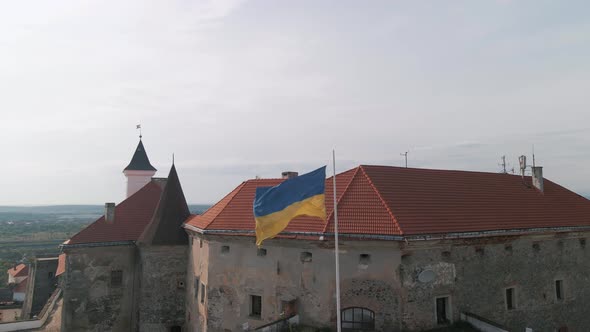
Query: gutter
{"points": [[424, 237], [96, 244]]}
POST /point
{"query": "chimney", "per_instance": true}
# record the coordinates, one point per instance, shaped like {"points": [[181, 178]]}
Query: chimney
{"points": [[289, 175], [538, 177], [109, 212]]}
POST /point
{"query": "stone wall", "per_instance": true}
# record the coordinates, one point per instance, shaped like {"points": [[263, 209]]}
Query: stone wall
{"points": [[299, 272], [163, 287], [90, 302], [398, 281], [42, 282], [475, 273]]}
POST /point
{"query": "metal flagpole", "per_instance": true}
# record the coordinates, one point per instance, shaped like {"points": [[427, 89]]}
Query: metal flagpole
{"points": [[336, 250]]}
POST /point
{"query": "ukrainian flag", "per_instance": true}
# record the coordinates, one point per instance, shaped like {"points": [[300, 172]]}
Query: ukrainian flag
{"points": [[275, 207]]}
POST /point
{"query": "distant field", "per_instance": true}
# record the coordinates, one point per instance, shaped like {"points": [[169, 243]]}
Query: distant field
{"points": [[26, 231]]}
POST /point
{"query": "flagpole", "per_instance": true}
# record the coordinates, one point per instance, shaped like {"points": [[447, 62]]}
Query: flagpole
{"points": [[336, 250]]}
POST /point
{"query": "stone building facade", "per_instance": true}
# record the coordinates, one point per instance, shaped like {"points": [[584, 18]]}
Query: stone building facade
{"points": [[40, 285], [127, 270], [418, 249]]}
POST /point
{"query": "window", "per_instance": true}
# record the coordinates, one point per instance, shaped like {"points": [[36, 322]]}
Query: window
{"points": [[224, 249], [202, 293], [510, 298], [196, 285], [559, 289], [255, 306], [261, 252], [116, 278], [356, 318], [443, 310], [364, 259], [305, 257], [49, 275]]}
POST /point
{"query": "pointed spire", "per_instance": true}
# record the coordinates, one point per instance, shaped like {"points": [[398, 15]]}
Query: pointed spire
{"points": [[165, 228], [140, 160]]}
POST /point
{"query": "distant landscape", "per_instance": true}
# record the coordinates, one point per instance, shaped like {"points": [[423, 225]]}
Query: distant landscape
{"points": [[28, 231]]}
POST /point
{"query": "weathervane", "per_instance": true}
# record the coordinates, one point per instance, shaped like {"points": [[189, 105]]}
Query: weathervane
{"points": [[139, 127]]}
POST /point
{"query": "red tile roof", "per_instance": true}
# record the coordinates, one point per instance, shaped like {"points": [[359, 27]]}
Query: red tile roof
{"points": [[385, 200], [21, 270], [22, 286], [131, 217], [61, 265]]}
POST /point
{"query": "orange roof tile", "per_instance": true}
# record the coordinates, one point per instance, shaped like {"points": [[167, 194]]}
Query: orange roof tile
{"points": [[385, 200], [131, 217], [20, 270], [61, 265]]}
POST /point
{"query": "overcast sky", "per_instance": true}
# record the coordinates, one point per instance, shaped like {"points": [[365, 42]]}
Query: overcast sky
{"points": [[238, 89]]}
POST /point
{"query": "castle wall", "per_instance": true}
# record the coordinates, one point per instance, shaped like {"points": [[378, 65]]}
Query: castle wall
{"points": [[41, 284], [475, 274], [399, 281], [163, 287], [287, 278], [197, 275], [96, 296]]}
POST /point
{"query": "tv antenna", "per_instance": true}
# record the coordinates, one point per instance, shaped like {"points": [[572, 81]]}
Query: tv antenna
{"points": [[503, 164], [405, 154]]}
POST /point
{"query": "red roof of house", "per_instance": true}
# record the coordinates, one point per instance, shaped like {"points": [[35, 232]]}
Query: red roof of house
{"points": [[61, 265], [21, 270], [22, 286], [385, 200], [131, 217]]}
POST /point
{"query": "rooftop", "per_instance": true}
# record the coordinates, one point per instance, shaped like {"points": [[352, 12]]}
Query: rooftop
{"points": [[396, 201], [140, 160], [153, 215], [21, 270]]}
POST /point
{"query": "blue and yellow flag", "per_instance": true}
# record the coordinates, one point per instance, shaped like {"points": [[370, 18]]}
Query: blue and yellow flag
{"points": [[275, 207]]}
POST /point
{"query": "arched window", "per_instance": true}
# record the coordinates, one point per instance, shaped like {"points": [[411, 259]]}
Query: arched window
{"points": [[355, 318]]}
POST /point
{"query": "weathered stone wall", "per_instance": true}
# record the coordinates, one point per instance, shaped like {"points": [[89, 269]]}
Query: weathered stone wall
{"points": [[236, 269], [198, 266], [163, 287], [90, 302], [40, 286], [475, 274]]}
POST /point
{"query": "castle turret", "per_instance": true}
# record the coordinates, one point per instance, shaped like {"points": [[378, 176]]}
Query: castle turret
{"points": [[139, 171]]}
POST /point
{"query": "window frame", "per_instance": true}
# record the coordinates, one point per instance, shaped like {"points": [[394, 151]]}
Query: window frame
{"points": [[203, 289], [514, 303], [116, 278], [448, 309], [255, 314], [361, 325], [559, 291]]}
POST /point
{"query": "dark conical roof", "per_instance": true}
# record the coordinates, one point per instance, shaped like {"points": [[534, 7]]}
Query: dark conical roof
{"points": [[140, 160], [165, 228]]}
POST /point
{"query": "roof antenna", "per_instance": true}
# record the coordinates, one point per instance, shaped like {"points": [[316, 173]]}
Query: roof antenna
{"points": [[503, 164], [533, 155], [405, 154], [139, 127]]}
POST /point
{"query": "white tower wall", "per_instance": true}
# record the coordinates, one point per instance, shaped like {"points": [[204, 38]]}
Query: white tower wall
{"points": [[137, 179]]}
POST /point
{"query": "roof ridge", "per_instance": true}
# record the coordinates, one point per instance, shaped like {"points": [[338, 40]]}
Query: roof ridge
{"points": [[340, 198], [233, 194], [393, 218]]}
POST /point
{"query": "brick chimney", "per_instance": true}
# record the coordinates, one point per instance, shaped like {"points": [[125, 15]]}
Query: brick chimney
{"points": [[109, 212], [289, 175], [538, 177]]}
